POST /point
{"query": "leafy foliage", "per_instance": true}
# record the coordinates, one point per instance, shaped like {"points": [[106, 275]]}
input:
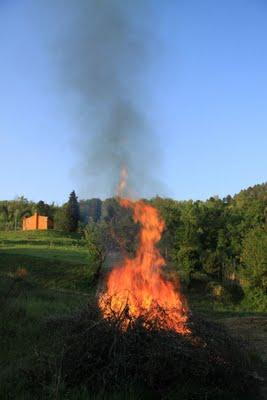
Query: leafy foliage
{"points": [[254, 258], [67, 217], [224, 239], [90, 210], [12, 212], [218, 240], [43, 208]]}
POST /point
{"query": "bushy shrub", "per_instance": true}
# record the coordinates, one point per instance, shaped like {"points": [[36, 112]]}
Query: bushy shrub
{"points": [[228, 292], [198, 281], [255, 299]]}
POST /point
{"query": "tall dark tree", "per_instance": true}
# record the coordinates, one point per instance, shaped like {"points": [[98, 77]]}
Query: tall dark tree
{"points": [[43, 209], [72, 213]]}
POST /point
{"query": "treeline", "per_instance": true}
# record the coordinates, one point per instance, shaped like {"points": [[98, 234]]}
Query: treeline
{"points": [[13, 211], [220, 241], [66, 217], [209, 242], [217, 245]]}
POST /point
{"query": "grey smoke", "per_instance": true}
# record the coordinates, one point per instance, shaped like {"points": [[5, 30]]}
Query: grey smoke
{"points": [[107, 52]]}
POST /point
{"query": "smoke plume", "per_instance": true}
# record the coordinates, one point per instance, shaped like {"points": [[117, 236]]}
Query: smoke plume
{"points": [[107, 56]]}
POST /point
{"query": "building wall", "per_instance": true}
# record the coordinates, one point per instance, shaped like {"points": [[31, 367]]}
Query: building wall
{"points": [[37, 222], [42, 222]]}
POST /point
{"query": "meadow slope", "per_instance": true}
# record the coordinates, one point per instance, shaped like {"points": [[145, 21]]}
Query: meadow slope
{"points": [[47, 274]]}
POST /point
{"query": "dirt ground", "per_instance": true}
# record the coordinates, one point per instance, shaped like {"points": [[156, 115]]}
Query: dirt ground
{"points": [[254, 330]]}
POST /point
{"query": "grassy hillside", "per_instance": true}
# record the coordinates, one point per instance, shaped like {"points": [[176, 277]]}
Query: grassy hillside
{"points": [[49, 238], [42, 275], [50, 259]]}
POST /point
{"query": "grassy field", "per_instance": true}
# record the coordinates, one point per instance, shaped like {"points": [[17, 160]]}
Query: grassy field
{"points": [[43, 274], [47, 274]]}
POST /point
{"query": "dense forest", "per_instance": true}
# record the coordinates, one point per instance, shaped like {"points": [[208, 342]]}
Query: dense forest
{"points": [[219, 245]]}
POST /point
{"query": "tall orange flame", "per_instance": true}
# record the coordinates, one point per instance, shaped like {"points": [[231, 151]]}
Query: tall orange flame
{"points": [[138, 283]]}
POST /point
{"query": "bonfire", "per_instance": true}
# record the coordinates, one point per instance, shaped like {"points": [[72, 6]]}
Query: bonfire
{"points": [[137, 284], [139, 335]]}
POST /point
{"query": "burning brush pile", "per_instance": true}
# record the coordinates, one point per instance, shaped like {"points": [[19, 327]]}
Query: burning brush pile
{"points": [[140, 334], [138, 286], [106, 355]]}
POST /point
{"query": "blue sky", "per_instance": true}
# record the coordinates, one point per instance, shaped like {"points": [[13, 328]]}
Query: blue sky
{"points": [[208, 107]]}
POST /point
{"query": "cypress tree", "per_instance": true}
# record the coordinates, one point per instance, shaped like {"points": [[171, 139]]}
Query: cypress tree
{"points": [[72, 213]]}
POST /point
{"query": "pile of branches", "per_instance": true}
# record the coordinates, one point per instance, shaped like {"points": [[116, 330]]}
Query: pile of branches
{"points": [[102, 355]]}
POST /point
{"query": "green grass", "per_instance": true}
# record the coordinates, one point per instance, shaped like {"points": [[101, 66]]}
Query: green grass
{"points": [[202, 304], [47, 244], [52, 236], [23, 313], [52, 259], [68, 254], [55, 280]]}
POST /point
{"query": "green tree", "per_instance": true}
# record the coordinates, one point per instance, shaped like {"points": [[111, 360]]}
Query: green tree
{"points": [[43, 209], [72, 213], [254, 258], [95, 236], [61, 222], [12, 212], [90, 210], [66, 217]]}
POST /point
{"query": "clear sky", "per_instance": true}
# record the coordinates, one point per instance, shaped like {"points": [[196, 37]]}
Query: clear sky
{"points": [[209, 103]]}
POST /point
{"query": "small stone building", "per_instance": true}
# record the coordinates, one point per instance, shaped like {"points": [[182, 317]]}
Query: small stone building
{"points": [[37, 222]]}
